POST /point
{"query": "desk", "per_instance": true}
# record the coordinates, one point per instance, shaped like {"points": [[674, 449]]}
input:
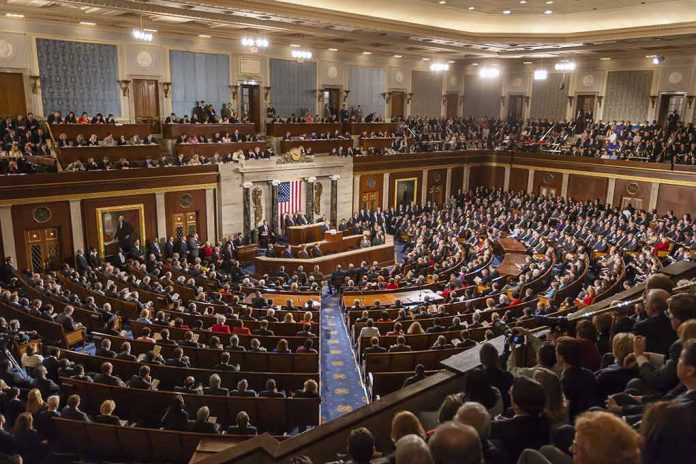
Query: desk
{"points": [[246, 253], [304, 234], [130, 152], [102, 130], [407, 297], [383, 254], [317, 146], [357, 128], [376, 142], [172, 131], [326, 246], [280, 129], [515, 254], [209, 149]]}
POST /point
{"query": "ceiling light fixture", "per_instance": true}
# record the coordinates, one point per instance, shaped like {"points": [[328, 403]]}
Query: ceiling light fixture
{"points": [[204, 36], [541, 75], [548, 12], [14, 15], [451, 61], [657, 59], [442, 2], [437, 67], [397, 56], [367, 53], [472, 8], [301, 55], [474, 64], [523, 2], [489, 73], [255, 42], [564, 66], [150, 30], [605, 58], [333, 49], [506, 12], [549, 2], [88, 23], [294, 46], [142, 34], [526, 62], [425, 59]]}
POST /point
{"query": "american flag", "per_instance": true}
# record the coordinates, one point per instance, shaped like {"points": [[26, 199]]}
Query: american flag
{"points": [[289, 199]]}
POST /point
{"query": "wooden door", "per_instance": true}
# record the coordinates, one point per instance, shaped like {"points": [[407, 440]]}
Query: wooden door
{"points": [[398, 104], [332, 102], [668, 103], [515, 108], [146, 102], [436, 194], [370, 201], [585, 104], [451, 105], [184, 224], [12, 99], [43, 249], [251, 104]]}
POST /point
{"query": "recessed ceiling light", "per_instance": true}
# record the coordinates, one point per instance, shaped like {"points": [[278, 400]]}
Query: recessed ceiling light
{"points": [[523, 2], [294, 46], [526, 62], [474, 64], [605, 58], [367, 53], [425, 59], [397, 56], [442, 2], [204, 36], [88, 23], [548, 12], [150, 30], [333, 49], [506, 12], [549, 2], [451, 61], [471, 8], [14, 15]]}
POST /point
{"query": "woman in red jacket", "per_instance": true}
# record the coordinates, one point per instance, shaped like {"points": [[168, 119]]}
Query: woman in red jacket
{"points": [[220, 326]]}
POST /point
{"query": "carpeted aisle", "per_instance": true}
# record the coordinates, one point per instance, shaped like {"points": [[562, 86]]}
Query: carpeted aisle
{"points": [[342, 389]]}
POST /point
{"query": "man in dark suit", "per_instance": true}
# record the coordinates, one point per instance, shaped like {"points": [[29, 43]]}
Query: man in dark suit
{"points": [[400, 346], [656, 328], [169, 248], [289, 222], [258, 301], [271, 390], [105, 350], [266, 235], [81, 263], [124, 234], [263, 330], [316, 251], [106, 377], [8, 271], [72, 410], [154, 248], [579, 384], [202, 423], [418, 375], [142, 379], [66, 320], [215, 389], [374, 347], [194, 246], [243, 389], [287, 253], [93, 258]]}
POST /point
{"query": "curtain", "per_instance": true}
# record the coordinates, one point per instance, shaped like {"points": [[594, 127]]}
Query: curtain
{"points": [[78, 76], [548, 100], [366, 84], [198, 76], [482, 97], [293, 87], [628, 95], [427, 93]]}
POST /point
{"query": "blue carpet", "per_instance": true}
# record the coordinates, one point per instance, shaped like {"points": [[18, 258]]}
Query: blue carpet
{"points": [[342, 389]]}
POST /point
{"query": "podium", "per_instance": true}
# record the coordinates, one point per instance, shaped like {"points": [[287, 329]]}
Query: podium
{"points": [[304, 234], [337, 236]]}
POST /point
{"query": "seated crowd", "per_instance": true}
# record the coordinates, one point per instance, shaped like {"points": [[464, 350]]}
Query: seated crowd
{"points": [[204, 113], [21, 140]]}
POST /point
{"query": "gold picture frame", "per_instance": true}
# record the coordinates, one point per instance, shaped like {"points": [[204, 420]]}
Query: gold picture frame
{"points": [[406, 182], [107, 222]]}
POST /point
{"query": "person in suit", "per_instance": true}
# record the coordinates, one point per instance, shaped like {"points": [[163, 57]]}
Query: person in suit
{"points": [[194, 247], [243, 389], [288, 221], [214, 387], [271, 390], [316, 251], [258, 301], [656, 328], [93, 258], [106, 376], [142, 379], [263, 330], [287, 253], [106, 415], [81, 264], [72, 410], [579, 384], [66, 320], [303, 254], [105, 350], [418, 375], [8, 271], [373, 348], [242, 425], [169, 248], [266, 235], [224, 364], [176, 417], [155, 249], [202, 423], [400, 346], [124, 234]]}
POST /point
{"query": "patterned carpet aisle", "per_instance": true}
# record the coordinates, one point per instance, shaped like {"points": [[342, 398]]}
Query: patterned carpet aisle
{"points": [[342, 389]]}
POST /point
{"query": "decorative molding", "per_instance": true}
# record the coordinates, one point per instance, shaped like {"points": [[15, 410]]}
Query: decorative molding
{"points": [[266, 92], [502, 100], [409, 97], [247, 184], [653, 100], [35, 82], [526, 99], [335, 177], [461, 99], [345, 95], [571, 98], [599, 100], [235, 91], [124, 84], [690, 100], [166, 87]]}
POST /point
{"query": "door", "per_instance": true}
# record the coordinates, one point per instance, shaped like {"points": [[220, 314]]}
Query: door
{"points": [[398, 104], [451, 105], [185, 224], [146, 101], [670, 102], [436, 194], [547, 191], [515, 108], [585, 105], [251, 104], [12, 99], [369, 200], [43, 249], [332, 102]]}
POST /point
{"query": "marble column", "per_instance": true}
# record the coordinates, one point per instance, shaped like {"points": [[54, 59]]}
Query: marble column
{"points": [[210, 215], [385, 191], [161, 208], [76, 224], [334, 200], [530, 181], [424, 188], [309, 199], [506, 180], [564, 184], [448, 187], [654, 192], [8, 239], [275, 226], [356, 193], [246, 202], [611, 188]]}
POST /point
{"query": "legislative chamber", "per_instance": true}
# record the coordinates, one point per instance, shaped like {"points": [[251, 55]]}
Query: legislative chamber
{"points": [[308, 232]]}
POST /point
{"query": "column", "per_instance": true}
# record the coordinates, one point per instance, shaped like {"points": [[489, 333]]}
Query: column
{"points": [[424, 189], [246, 206], [161, 216], [385, 191], [654, 190], [210, 215], [309, 199], [530, 181], [448, 188], [356, 193], [334, 200], [564, 184], [6, 227], [465, 183], [274, 207], [506, 179], [611, 188], [76, 226]]}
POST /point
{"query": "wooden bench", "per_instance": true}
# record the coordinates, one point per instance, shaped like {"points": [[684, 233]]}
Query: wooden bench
{"points": [[50, 332], [126, 309], [383, 383], [407, 361]]}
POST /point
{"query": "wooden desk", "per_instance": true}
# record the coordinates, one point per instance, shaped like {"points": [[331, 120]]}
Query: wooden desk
{"points": [[407, 297], [102, 130], [515, 254], [376, 142], [304, 234], [326, 246], [130, 152], [172, 131], [298, 300], [383, 254], [246, 253], [317, 146], [280, 129], [337, 236], [209, 149], [357, 128]]}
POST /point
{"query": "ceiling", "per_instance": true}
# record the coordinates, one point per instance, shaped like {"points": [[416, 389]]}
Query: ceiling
{"points": [[411, 28]]}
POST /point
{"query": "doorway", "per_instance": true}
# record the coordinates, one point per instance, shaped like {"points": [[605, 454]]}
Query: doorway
{"points": [[585, 104], [398, 104], [451, 105], [43, 249], [12, 99], [332, 102], [185, 224], [369, 201], [251, 103], [515, 108], [146, 102], [670, 102]]}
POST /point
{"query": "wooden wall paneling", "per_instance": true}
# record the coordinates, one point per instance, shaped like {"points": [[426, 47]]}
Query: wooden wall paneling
{"points": [[679, 199], [519, 179], [89, 215], [583, 188], [393, 177], [457, 180], [636, 190], [550, 180], [371, 187], [175, 203], [436, 188], [145, 98], [24, 218], [12, 101], [486, 176]]}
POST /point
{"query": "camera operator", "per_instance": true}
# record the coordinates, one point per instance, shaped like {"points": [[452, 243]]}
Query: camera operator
{"points": [[524, 347]]}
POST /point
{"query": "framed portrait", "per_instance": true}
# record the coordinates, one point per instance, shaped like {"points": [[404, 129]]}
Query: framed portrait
{"points": [[405, 191], [119, 227]]}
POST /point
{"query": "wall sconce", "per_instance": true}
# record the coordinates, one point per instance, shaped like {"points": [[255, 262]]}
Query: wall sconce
{"points": [[386, 96], [345, 95], [526, 100], [35, 82], [409, 97], [235, 91], [502, 100], [653, 100], [320, 95], [599, 100], [570, 100], [444, 99], [124, 87], [266, 92], [166, 87], [689, 100], [461, 99]]}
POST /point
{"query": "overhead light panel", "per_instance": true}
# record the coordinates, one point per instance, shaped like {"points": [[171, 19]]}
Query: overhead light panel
{"points": [[14, 15], [442, 2], [474, 64], [366, 53], [507, 12], [548, 12], [489, 73], [526, 62], [425, 59], [605, 58], [87, 23], [451, 61], [333, 49], [472, 8], [438, 67], [294, 45], [397, 56], [541, 75], [255, 42], [301, 54], [564, 66], [204, 36], [142, 35], [150, 30], [657, 59]]}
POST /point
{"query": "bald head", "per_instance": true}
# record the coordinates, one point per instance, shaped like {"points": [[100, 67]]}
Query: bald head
{"points": [[454, 443], [412, 449], [475, 415], [656, 302]]}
